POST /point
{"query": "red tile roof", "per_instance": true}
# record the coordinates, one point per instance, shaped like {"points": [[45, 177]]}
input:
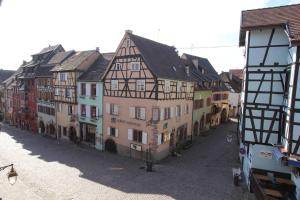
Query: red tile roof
{"points": [[237, 72], [285, 16]]}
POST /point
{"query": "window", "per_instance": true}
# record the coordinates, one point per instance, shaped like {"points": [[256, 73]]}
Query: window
{"points": [[199, 103], [114, 85], [68, 93], [135, 66], [62, 76], [93, 111], [114, 109], [56, 91], [113, 132], [83, 110], [167, 113], [155, 114], [208, 101], [70, 110], [162, 138], [178, 111], [118, 66], [140, 113], [93, 90], [140, 85], [167, 86], [137, 136], [83, 89], [179, 86], [128, 43]]}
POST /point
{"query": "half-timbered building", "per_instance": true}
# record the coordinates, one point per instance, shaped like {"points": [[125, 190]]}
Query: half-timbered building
{"points": [[90, 98], [26, 115], [269, 123], [148, 97], [65, 77], [45, 94]]}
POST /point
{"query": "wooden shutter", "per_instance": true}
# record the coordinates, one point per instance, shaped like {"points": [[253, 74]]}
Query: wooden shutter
{"points": [[108, 130], [107, 108], [143, 113], [98, 89], [117, 132], [131, 112], [162, 114], [159, 139], [172, 112], [176, 111], [144, 138], [130, 134], [66, 76], [116, 109], [88, 111], [88, 89], [79, 89]]}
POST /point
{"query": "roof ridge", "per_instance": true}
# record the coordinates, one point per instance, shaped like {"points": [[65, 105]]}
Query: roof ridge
{"points": [[291, 5], [159, 43]]}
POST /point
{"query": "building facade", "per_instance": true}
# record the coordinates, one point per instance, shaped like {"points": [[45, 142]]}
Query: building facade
{"points": [[148, 98], [46, 121], [65, 78], [269, 124], [234, 85], [90, 98]]}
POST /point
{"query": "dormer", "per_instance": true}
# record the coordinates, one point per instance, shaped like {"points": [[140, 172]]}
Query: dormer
{"points": [[187, 70], [196, 63]]}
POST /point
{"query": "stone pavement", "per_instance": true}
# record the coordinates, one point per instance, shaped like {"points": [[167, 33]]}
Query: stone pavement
{"points": [[48, 170]]}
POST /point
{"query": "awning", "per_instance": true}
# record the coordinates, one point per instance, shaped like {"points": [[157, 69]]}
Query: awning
{"points": [[293, 163], [277, 153]]}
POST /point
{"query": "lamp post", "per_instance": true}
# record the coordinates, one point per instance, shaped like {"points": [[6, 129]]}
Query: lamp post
{"points": [[11, 175]]}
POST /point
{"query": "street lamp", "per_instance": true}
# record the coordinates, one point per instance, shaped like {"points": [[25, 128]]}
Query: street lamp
{"points": [[12, 175]]}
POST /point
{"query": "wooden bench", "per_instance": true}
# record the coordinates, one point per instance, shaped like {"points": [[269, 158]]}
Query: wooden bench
{"points": [[284, 181]]}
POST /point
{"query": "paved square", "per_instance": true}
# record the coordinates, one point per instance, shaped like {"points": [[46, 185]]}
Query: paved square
{"points": [[48, 170]]}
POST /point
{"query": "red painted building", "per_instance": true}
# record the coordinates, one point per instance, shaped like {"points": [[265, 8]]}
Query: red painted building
{"points": [[25, 104]]}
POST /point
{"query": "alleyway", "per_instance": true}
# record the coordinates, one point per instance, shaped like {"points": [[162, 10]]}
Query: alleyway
{"points": [[48, 170]]}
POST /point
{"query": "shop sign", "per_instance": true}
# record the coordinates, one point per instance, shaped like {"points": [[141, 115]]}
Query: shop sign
{"points": [[266, 154]]}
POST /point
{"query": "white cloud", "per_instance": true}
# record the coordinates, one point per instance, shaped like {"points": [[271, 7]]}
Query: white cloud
{"points": [[28, 26]]}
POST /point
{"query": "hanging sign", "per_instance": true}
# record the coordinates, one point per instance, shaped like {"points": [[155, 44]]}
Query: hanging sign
{"points": [[242, 151]]}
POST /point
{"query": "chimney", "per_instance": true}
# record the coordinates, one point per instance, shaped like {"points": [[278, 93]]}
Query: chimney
{"points": [[128, 31], [97, 49]]}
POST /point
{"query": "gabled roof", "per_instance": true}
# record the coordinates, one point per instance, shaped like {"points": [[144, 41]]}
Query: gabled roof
{"points": [[48, 49], [163, 60], [286, 16], [58, 58], [232, 82], [96, 70], [74, 61], [5, 74]]}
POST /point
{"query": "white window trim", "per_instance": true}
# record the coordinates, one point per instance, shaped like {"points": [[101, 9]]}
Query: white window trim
{"points": [[140, 83], [135, 64], [116, 83]]}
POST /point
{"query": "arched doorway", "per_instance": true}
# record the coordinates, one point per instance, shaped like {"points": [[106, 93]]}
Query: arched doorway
{"points": [[72, 133], [110, 146], [224, 116], [42, 127], [196, 128]]}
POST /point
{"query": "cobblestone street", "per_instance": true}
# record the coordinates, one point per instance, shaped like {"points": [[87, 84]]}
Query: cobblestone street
{"points": [[48, 170]]}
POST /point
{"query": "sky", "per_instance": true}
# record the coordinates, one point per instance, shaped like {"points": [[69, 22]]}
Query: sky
{"points": [[28, 26]]}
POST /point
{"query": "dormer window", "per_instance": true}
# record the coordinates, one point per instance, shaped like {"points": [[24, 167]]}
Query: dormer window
{"points": [[202, 71]]}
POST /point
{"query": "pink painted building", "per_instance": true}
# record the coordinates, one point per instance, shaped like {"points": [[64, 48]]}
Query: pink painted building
{"points": [[148, 100]]}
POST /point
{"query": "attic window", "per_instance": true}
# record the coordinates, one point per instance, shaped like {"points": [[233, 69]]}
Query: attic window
{"points": [[118, 66], [135, 66], [187, 70], [174, 68], [128, 43]]}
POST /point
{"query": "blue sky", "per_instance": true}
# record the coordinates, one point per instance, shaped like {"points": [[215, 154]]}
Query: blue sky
{"points": [[28, 26]]}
